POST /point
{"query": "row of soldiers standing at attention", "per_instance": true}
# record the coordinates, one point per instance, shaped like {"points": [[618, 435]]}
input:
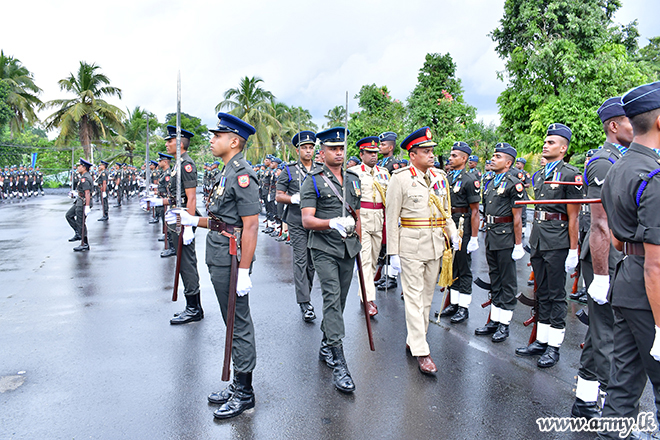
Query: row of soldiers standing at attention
{"points": [[19, 182]]}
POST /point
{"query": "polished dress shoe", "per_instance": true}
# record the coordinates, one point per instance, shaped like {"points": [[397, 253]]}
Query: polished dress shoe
{"points": [[81, 248], [534, 349], [341, 377], [450, 310], [221, 397], [325, 355], [103, 219], [575, 296], [372, 310], [161, 239], [168, 253], [241, 400], [282, 237], [461, 315], [549, 358], [193, 311], [426, 364], [153, 220], [488, 329], [307, 312], [530, 282], [268, 230], [75, 238], [275, 233], [588, 410], [501, 334], [390, 283]]}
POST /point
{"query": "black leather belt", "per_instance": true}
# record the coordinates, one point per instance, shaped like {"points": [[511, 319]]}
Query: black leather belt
{"points": [[545, 215], [219, 226], [499, 219]]}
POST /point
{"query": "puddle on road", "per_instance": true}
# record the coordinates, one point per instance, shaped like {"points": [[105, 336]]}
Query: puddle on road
{"points": [[10, 383]]}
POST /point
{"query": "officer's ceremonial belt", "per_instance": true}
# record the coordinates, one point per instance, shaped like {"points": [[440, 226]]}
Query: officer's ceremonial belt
{"points": [[422, 223], [220, 226], [545, 215], [459, 210], [499, 219], [369, 205], [633, 248]]}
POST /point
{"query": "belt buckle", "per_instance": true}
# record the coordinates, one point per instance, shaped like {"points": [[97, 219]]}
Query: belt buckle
{"points": [[542, 215], [489, 218]]}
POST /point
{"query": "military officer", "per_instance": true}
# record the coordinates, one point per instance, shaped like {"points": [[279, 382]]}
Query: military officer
{"points": [[553, 241], [472, 166], [526, 179], [503, 240], [81, 207], [233, 209], [334, 242], [465, 191], [352, 161], [631, 198], [119, 177], [373, 186], [594, 372], [288, 194], [40, 179], [103, 188], [386, 144], [418, 196], [269, 181], [163, 190]]}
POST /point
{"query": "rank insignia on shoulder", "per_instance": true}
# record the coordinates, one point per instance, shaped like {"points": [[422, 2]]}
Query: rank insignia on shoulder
{"points": [[188, 168], [519, 187], [243, 180]]}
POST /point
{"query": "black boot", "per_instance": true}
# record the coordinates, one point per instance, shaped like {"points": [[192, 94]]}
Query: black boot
{"points": [[501, 334], [549, 358], [82, 248], [588, 410], [450, 310], [488, 329], [193, 311], [325, 354], [75, 238], [341, 377], [241, 400], [221, 397], [307, 311], [168, 253], [461, 315], [390, 283], [534, 349]]}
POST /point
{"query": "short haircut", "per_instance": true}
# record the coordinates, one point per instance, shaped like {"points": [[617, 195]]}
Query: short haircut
{"points": [[606, 124], [185, 143], [241, 142], [643, 122]]}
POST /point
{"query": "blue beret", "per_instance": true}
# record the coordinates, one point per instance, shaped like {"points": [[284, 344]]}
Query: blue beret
{"points": [[387, 136], [246, 161], [163, 156], [332, 137], [153, 162], [591, 152], [474, 158], [370, 143], [355, 159], [171, 133], [611, 108], [488, 162], [404, 161], [558, 129], [503, 147], [84, 163], [277, 160], [418, 138], [231, 124], [104, 163], [642, 99], [217, 163], [521, 160], [462, 146], [304, 137], [436, 164]]}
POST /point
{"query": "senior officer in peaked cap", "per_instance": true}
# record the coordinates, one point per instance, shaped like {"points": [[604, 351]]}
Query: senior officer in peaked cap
{"points": [[233, 206], [373, 186], [289, 185], [334, 241], [631, 198], [554, 241], [81, 206], [418, 195]]}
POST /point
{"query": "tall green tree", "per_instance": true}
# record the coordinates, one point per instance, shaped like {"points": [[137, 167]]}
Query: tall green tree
{"points": [[651, 54], [87, 115], [437, 101], [253, 104], [336, 117], [5, 110], [21, 92]]}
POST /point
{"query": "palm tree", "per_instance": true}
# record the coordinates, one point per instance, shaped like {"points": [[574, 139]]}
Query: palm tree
{"points": [[87, 115], [22, 97], [252, 103], [336, 117]]}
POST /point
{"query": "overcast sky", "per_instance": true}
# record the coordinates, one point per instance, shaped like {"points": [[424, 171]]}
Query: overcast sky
{"points": [[308, 53]]}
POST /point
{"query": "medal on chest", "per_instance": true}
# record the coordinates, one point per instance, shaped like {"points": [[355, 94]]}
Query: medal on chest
{"points": [[502, 187], [356, 187], [555, 177], [221, 186], [457, 186]]}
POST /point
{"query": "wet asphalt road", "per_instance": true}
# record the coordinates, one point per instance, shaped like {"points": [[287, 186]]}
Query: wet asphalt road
{"points": [[87, 351]]}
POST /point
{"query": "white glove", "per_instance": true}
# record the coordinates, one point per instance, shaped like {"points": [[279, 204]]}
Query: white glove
{"points": [[655, 350], [72, 194], [295, 199], [518, 252], [455, 241], [186, 218], [473, 245], [571, 261], [155, 201], [243, 283], [395, 262], [105, 196], [188, 235], [87, 210], [598, 288], [344, 225], [268, 198]]}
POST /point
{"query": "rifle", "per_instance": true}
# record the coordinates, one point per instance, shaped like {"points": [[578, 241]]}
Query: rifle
{"points": [[234, 246]]}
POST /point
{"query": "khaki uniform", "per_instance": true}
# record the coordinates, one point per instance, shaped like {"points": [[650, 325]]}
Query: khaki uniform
{"points": [[373, 182], [419, 241]]}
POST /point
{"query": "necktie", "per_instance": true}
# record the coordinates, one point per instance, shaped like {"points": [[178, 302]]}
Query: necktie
{"points": [[427, 179]]}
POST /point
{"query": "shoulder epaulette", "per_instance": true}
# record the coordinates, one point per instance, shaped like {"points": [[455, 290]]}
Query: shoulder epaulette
{"points": [[400, 170]]}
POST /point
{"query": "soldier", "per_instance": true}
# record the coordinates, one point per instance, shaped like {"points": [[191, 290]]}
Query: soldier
{"points": [[353, 161], [465, 196], [118, 179], [418, 195], [162, 190], [472, 166], [334, 242], [103, 189], [288, 194], [503, 240], [553, 241], [387, 142], [40, 180], [526, 179], [271, 206], [631, 197], [81, 207], [373, 186], [269, 203], [233, 209]]}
